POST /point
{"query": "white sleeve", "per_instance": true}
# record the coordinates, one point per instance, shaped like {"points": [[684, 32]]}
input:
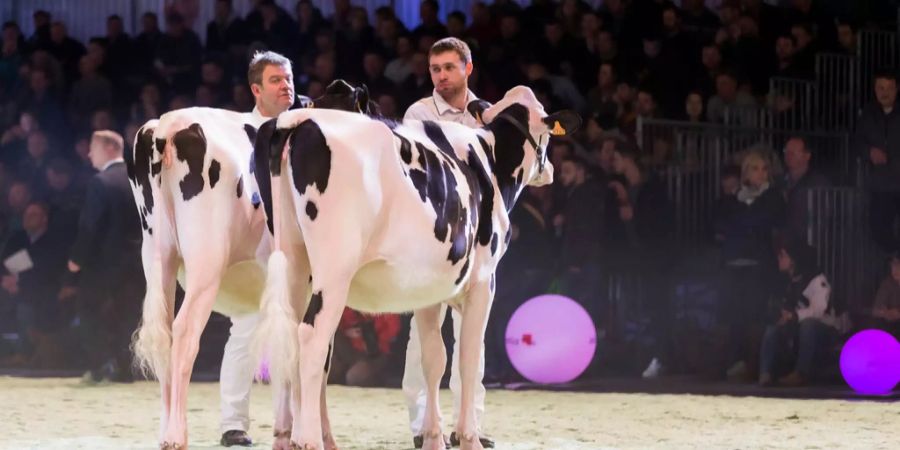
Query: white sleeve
{"points": [[818, 292], [417, 111]]}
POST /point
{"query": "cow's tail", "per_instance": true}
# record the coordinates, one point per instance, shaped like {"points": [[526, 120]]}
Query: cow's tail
{"points": [[276, 334], [152, 341]]}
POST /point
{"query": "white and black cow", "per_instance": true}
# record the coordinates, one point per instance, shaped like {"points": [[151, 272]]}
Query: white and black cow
{"points": [[388, 217], [192, 174]]}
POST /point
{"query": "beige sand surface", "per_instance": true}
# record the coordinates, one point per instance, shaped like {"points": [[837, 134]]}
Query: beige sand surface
{"points": [[60, 414]]}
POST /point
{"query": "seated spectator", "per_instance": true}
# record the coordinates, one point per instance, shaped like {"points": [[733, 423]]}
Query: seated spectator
{"points": [[362, 348], [693, 107], [601, 96], [886, 310], [149, 105], [90, 93], [36, 288], [373, 74], [64, 196], [401, 66], [14, 143], [31, 167], [729, 184], [808, 326], [748, 232]]}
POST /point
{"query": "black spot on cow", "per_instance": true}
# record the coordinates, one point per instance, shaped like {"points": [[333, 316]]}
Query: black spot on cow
{"points": [[484, 196], [260, 168], [215, 169], [405, 150], [155, 168], [160, 145], [311, 210], [315, 305], [310, 157], [190, 146], [462, 272], [251, 133], [494, 242], [240, 186], [509, 151], [328, 357], [139, 168]]}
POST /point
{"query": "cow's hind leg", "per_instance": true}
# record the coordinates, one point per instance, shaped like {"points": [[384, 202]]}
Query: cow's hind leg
{"points": [[327, 435], [434, 361], [315, 333], [202, 285]]}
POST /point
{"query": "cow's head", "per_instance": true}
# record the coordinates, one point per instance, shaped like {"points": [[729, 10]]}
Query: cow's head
{"points": [[523, 113], [341, 95]]}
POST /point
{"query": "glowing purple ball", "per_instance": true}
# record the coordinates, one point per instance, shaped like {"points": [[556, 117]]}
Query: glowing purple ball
{"points": [[551, 339], [870, 362]]}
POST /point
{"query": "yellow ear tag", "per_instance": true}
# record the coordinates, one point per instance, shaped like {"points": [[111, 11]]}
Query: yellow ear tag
{"points": [[557, 129], [478, 118]]}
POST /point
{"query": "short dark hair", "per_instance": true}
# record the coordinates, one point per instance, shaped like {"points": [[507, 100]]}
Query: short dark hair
{"points": [[885, 74], [60, 166], [803, 140], [452, 44]]}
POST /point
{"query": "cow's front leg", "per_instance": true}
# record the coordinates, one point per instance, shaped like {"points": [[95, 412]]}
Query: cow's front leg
{"points": [[434, 361], [315, 333], [475, 314]]}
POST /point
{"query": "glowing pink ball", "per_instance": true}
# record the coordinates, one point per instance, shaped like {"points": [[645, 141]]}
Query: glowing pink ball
{"points": [[551, 339], [870, 362], [262, 372]]}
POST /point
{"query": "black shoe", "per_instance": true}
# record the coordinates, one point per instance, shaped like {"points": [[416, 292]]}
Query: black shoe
{"points": [[236, 437], [419, 441], [485, 441]]}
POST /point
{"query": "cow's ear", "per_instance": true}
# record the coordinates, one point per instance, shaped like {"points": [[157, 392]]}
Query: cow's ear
{"points": [[305, 102], [563, 122], [362, 98], [476, 109]]}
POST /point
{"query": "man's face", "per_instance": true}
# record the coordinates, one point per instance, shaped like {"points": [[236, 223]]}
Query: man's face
{"points": [[18, 196], [846, 37], [37, 145], [97, 154], [645, 104], [35, 219], [568, 173], [886, 91], [795, 155], [448, 73], [114, 27], [712, 58], [57, 33], [618, 163], [276, 92], [784, 48], [58, 181], [726, 87]]}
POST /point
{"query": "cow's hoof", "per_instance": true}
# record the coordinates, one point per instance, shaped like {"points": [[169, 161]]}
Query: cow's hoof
{"points": [[282, 440], [170, 446], [329, 442], [296, 446]]}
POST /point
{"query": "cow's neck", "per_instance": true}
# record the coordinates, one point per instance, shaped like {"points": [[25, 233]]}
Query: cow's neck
{"points": [[509, 157]]}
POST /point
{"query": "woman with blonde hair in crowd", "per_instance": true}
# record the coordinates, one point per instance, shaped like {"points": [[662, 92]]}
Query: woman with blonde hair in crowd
{"points": [[755, 214]]}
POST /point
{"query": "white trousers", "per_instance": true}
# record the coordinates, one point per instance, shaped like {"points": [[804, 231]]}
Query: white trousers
{"points": [[236, 376], [414, 387]]}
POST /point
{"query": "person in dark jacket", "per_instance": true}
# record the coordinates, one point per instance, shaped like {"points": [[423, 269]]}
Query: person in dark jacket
{"points": [[35, 288], [107, 258], [756, 212], [877, 141], [799, 180]]}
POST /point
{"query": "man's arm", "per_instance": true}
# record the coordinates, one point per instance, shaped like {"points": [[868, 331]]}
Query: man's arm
{"points": [[90, 223]]}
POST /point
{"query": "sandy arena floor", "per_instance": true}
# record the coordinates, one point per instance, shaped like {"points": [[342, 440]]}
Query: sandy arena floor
{"points": [[60, 414]]}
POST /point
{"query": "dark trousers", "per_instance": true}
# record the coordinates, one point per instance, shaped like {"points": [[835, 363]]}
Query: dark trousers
{"points": [[743, 310], [805, 345], [109, 314], [884, 208]]}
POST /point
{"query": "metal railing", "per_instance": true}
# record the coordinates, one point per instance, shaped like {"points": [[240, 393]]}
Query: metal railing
{"points": [[837, 97], [791, 103], [877, 50]]}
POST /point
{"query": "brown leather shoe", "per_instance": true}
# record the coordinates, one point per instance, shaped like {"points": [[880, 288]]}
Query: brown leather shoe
{"points": [[236, 437], [486, 442], [419, 441]]}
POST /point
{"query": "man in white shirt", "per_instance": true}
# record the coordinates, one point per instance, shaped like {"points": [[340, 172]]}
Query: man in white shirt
{"points": [[272, 83], [450, 64]]}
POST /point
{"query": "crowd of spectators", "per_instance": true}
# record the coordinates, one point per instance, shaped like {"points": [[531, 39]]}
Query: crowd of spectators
{"points": [[607, 212]]}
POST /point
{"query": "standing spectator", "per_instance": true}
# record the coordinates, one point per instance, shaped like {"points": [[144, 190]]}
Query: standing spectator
{"points": [[727, 96], [66, 50], [106, 257], [798, 182], [119, 52], [89, 94], [31, 167], [145, 45], [225, 30], [886, 310], [178, 55], [748, 232], [878, 143], [400, 67]]}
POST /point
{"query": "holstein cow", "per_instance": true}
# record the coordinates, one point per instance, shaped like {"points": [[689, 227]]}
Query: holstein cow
{"points": [[393, 217], [192, 174]]}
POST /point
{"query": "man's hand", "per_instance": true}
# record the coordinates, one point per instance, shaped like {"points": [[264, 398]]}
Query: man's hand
{"points": [[10, 284], [786, 316], [626, 213], [67, 293], [878, 156], [74, 268]]}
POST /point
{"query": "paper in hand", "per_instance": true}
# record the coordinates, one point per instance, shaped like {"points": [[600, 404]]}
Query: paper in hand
{"points": [[18, 262]]}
